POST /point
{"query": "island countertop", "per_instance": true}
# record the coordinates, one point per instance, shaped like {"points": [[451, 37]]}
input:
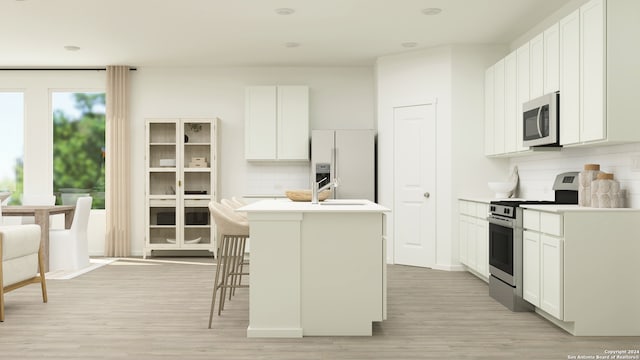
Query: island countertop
{"points": [[332, 205]]}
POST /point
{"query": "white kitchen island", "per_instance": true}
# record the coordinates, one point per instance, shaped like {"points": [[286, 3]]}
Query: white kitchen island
{"points": [[316, 269]]}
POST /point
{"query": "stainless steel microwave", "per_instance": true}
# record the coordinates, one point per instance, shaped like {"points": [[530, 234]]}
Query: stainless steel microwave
{"points": [[540, 119]]}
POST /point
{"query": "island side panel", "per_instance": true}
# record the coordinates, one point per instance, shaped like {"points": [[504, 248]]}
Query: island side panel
{"points": [[342, 273], [274, 285]]}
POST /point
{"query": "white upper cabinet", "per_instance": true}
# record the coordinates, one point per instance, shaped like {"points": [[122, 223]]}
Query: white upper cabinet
{"points": [[592, 71], [277, 123], [512, 112], [551, 66], [260, 123], [522, 56], [570, 78], [293, 123], [587, 57], [488, 111], [499, 107], [536, 66]]}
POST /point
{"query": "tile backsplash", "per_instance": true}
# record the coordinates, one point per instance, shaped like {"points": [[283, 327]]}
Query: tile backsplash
{"points": [[538, 171], [271, 178]]}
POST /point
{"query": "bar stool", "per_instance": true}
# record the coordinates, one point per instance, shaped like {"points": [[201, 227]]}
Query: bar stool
{"points": [[229, 207], [232, 233]]}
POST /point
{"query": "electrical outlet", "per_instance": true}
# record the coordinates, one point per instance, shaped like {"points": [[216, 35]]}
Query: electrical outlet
{"points": [[635, 163]]}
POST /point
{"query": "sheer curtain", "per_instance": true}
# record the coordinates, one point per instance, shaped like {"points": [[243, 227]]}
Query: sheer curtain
{"points": [[117, 242]]}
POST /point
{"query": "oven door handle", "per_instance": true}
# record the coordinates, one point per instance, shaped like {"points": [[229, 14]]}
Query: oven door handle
{"points": [[499, 221]]}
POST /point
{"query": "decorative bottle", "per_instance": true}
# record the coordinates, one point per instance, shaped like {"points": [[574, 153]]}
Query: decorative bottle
{"points": [[585, 178]]}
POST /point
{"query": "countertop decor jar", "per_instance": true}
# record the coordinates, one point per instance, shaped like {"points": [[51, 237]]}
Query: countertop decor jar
{"points": [[605, 192], [585, 178]]}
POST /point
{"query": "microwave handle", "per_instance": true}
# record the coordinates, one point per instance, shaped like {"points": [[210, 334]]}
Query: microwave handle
{"points": [[538, 120]]}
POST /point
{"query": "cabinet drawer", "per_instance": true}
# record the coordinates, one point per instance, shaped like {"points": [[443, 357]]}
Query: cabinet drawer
{"points": [[531, 219], [482, 210], [162, 202], [197, 202], [467, 208], [551, 223]]}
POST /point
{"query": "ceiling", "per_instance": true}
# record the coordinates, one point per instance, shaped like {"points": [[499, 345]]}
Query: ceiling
{"points": [[249, 32]]}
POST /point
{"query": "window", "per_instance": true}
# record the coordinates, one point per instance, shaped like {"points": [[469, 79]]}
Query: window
{"points": [[79, 146], [12, 144]]}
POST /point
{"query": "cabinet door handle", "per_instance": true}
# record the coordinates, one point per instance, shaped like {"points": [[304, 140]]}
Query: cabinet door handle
{"points": [[426, 195], [179, 183]]}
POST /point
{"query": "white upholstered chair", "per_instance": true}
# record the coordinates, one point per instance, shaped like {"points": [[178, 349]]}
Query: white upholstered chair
{"points": [[69, 248], [21, 257], [232, 233], [33, 199]]}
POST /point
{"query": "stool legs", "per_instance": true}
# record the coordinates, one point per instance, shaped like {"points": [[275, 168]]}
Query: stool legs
{"points": [[228, 269]]}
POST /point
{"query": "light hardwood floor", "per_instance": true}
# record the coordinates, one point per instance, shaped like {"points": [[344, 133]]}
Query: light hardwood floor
{"points": [[147, 310]]}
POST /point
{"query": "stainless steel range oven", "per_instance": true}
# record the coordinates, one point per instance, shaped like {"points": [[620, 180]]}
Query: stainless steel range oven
{"points": [[505, 242], [505, 255]]}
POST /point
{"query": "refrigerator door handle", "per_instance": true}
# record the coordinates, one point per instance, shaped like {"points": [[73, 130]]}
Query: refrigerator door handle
{"points": [[334, 168]]}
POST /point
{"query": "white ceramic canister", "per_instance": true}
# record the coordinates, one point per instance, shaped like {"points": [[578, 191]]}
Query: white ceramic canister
{"points": [[605, 192], [585, 179]]}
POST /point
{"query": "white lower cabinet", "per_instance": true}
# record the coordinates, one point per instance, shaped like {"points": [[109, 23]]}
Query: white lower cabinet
{"points": [[531, 267], [551, 275], [474, 237], [542, 262]]}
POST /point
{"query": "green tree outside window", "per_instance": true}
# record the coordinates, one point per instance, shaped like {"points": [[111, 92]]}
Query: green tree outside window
{"points": [[79, 149]]}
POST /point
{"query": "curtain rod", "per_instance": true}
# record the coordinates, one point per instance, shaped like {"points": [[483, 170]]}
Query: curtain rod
{"points": [[60, 69]]}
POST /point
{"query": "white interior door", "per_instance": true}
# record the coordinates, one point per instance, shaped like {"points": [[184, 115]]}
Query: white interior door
{"points": [[414, 185]]}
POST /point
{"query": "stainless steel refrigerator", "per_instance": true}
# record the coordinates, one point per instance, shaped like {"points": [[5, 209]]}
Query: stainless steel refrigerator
{"points": [[352, 156]]}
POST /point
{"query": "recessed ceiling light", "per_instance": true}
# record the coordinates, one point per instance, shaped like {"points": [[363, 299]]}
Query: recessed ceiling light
{"points": [[72, 48], [291, 44], [284, 11], [409, 44], [431, 11]]}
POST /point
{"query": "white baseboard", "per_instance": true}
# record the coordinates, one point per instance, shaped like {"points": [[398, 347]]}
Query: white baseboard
{"points": [[449, 267]]}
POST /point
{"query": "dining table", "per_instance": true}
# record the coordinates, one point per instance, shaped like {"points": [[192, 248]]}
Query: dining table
{"points": [[41, 214]]}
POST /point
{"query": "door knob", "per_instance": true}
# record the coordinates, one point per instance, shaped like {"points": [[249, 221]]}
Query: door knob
{"points": [[426, 195]]}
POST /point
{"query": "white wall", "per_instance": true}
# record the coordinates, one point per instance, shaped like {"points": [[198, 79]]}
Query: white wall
{"points": [[340, 98], [454, 77]]}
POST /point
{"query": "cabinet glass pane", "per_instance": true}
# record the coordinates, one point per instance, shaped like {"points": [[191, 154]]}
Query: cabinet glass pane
{"points": [[162, 222], [197, 156], [162, 133], [197, 183], [162, 156], [162, 183], [197, 229], [197, 133], [162, 235], [195, 236]]}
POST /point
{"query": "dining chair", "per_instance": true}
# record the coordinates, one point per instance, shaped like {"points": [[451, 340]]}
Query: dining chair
{"points": [[21, 260], [39, 199], [232, 233], [69, 248]]}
